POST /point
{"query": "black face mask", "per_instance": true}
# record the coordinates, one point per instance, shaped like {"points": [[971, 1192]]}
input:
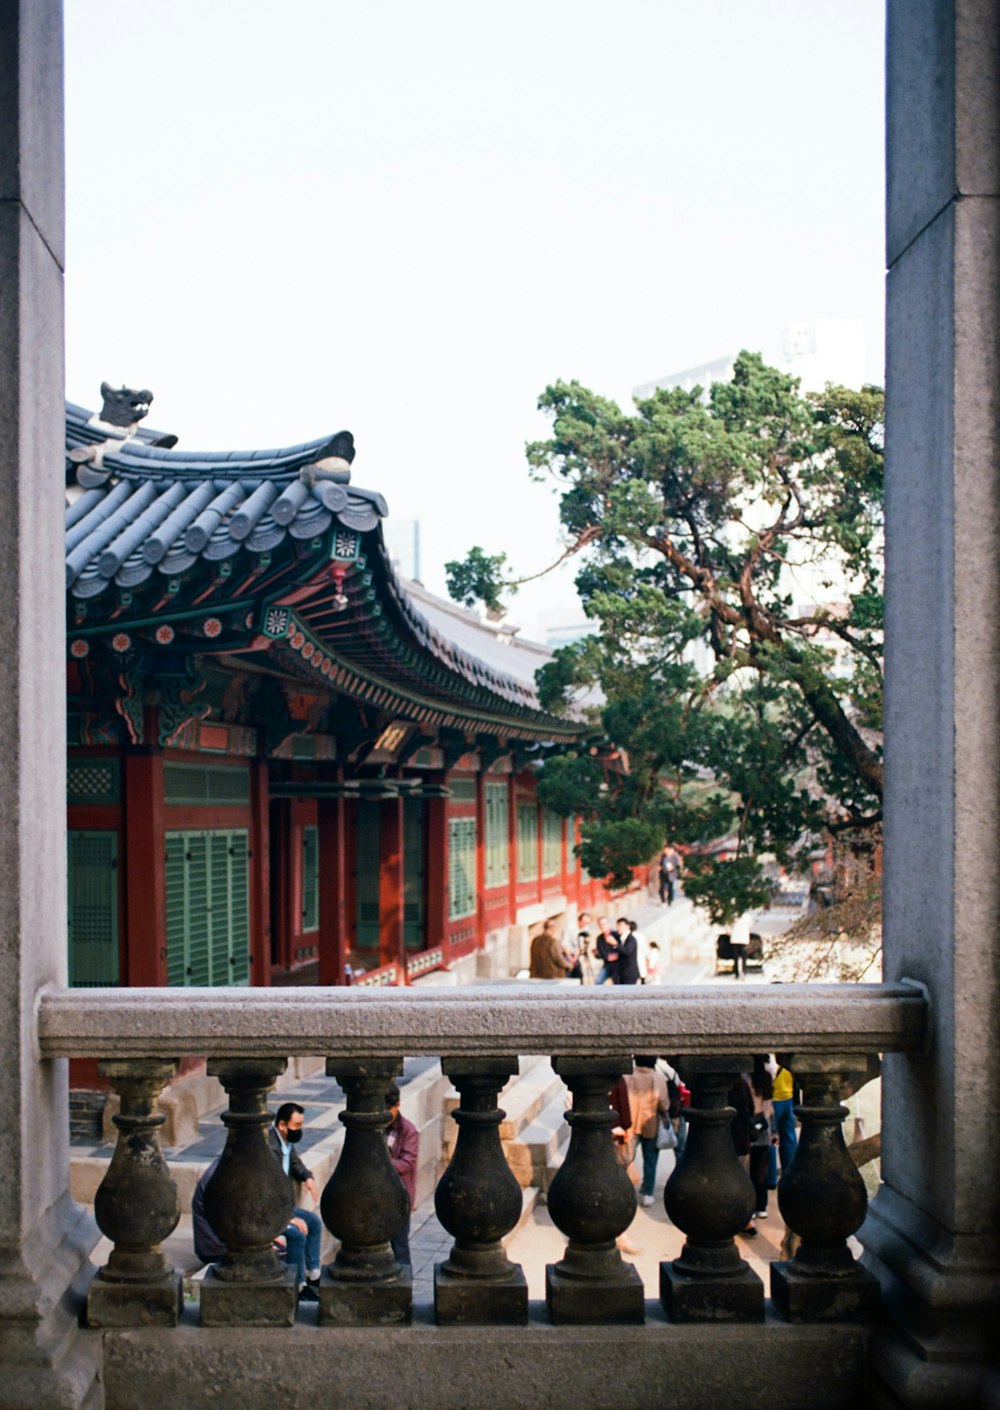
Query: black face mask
{"points": [[293, 1137]]}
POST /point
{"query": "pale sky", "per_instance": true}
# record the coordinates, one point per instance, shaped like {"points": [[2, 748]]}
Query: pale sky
{"points": [[407, 218]]}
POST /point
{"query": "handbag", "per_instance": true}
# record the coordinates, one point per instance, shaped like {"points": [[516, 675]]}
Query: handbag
{"points": [[666, 1136]]}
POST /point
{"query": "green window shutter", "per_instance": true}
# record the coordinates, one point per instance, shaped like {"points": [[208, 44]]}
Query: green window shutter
{"points": [[93, 909], [414, 919], [368, 855], [310, 878], [497, 852], [552, 840], [461, 867], [202, 785], [239, 908], [527, 842], [208, 907]]}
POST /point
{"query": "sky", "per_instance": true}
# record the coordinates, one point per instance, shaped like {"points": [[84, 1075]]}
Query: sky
{"points": [[408, 219]]}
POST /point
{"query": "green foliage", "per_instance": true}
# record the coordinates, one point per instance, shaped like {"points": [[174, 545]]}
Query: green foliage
{"points": [[699, 521], [477, 578]]}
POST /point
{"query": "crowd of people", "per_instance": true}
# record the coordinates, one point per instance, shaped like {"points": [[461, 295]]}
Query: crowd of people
{"points": [[599, 953]]}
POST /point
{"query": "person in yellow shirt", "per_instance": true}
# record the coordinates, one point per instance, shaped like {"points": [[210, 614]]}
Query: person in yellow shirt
{"points": [[784, 1116]]}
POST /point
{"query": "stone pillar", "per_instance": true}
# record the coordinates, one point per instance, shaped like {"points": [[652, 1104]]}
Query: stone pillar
{"points": [[478, 1200], [932, 1234], [44, 1237], [365, 1205], [248, 1203], [710, 1197], [592, 1202], [137, 1206], [822, 1198]]}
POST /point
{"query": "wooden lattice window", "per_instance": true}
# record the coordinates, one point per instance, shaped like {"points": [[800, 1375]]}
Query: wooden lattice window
{"points": [[93, 909], [461, 867], [208, 912], [552, 844], [497, 851], [527, 842], [200, 785], [310, 878]]}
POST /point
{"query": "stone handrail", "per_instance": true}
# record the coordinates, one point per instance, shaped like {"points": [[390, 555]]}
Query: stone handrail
{"points": [[530, 1017]]}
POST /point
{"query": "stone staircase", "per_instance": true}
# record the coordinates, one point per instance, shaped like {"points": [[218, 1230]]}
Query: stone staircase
{"points": [[534, 1132]]}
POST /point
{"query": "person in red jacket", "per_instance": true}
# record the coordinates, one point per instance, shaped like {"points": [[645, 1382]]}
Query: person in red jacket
{"points": [[403, 1140]]}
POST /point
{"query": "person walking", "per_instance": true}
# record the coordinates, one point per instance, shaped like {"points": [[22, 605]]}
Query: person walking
{"points": [[670, 870], [649, 1103]]}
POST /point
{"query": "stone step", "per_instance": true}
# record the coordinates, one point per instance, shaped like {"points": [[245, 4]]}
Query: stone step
{"points": [[537, 1152], [522, 1100]]}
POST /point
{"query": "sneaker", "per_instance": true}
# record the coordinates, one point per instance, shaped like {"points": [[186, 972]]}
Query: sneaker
{"points": [[761, 1214], [646, 1200], [749, 1232], [309, 1292]]}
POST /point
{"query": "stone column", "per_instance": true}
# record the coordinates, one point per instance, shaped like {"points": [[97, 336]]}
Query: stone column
{"points": [[822, 1198], [479, 1201], [710, 1197], [44, 1237], [932, 1234], [592, 1202], [137, 1206], [248, 1203], [365, 1205]]}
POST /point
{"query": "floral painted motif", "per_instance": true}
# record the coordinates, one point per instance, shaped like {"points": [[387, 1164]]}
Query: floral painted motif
{"points": [[79, 649], [212, 627], [165, 634], [298, 641], [120, 642]]}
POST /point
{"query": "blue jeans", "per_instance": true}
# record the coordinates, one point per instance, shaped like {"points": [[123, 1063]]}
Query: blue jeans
{"points": [[650, 1156], [604, 973], [784, 1124], [303, 1249]]}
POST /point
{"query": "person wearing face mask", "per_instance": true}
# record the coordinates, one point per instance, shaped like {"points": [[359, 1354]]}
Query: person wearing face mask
{"points": [[305, 1228]]}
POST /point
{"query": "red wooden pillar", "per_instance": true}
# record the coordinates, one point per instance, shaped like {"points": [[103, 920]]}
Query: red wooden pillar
{"points": [[390, 888], [145, 879], [260, 875], [279, 949], [436, 871], [332, 891], [480, 860]]}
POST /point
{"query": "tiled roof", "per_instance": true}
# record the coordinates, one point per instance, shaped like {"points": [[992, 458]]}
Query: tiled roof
{"points": [[138, 508]]}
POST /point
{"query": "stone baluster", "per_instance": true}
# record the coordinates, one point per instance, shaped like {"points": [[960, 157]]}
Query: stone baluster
{"points": [[710, 1197], [592, 1201], [822, 1198], [136, 1206], [478, 1200], [365, 1206], [248, 1202]]}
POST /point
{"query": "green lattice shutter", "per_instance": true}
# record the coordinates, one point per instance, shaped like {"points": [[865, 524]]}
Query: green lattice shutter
{"points": [[239, 909], [461, 867], [367, 843], [527, 842], [414, 931], [552, 840], [310, 878], [497, 851], [93, 909], [208, 909]]}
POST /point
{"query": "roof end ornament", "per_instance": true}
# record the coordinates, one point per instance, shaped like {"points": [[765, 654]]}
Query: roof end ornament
{"points": [[123, 406], [333, 463]]}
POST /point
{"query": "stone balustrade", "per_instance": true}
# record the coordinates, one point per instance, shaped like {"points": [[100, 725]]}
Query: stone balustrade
{"points": [[827, 1035]]}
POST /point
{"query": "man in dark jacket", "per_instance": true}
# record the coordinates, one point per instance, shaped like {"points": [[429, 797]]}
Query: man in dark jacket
{"points": [[627, 969], [305, 1228]]}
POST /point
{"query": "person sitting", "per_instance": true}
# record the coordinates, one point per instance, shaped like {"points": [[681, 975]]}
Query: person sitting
{"points": [[305, 1228], [403, 1140]]}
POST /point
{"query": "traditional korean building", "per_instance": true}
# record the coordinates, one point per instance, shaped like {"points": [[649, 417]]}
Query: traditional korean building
{"points": [[285, 762]]}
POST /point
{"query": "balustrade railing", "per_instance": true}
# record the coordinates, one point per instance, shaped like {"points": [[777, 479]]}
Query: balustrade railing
{"points": [[827, 1034]]}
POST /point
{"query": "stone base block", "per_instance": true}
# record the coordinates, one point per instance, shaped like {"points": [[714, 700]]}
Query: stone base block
{"points": [[228, 1304], [687, 1299], [469, 1301], [134, 1304], [800, 1298], [345, 1304], [572, 1301]]}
